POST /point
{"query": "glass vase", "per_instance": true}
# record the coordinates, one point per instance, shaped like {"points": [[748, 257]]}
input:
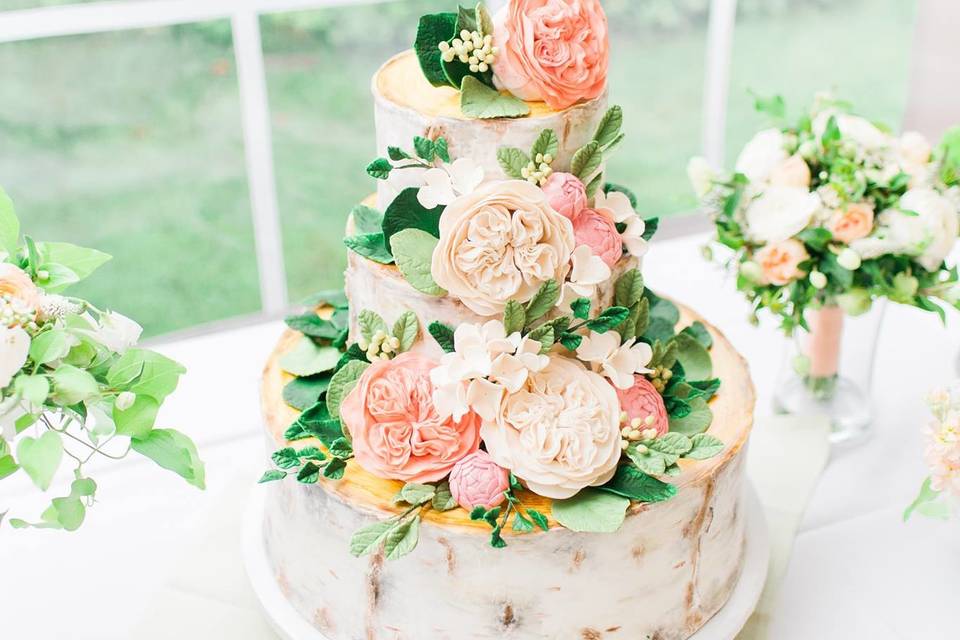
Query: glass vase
{"points": [[828, 370]]}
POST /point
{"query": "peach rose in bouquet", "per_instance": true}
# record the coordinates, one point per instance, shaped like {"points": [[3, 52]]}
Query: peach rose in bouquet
{"points": [[500, 243], [23, 294], [560, 432], [780, 261], [853, 222], [396, 431], [556, 51]]}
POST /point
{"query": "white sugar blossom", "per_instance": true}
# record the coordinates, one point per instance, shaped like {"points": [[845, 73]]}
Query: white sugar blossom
{"points": [[764, 153], [780, 213], [485, 365], [925, 226], [443, 184], [14, 346], [615, 361], [588, 272], [618, 204]]}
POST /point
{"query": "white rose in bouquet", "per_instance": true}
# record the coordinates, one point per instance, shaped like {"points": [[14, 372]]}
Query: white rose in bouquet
{"points": [[913, 157], [858, 130], [765, 152], [926, 225], [780, 213]]}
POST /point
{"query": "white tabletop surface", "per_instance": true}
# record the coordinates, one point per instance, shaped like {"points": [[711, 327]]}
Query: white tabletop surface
{"points": [[857, 571]]}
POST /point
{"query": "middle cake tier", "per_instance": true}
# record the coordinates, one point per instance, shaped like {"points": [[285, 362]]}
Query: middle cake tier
{"points": [[381, 288], [406, 105]]}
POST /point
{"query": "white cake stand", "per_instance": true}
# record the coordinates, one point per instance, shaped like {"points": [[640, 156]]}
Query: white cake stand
{"points": [[725, 625]]}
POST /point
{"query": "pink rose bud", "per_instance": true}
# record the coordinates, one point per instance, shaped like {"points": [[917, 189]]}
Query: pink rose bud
{"points": [[478, 481], [642, 401], [599, 232], [566, 194]]}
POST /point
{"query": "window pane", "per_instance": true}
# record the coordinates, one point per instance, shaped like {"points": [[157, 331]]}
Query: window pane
{"points": [[858, 50], [319, 67], [130, 142]]}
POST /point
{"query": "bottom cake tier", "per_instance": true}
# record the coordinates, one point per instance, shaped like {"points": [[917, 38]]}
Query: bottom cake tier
{"points": [[669, 569]]}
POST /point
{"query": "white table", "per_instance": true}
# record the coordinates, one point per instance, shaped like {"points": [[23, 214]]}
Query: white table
{"points": [[857, 571]]}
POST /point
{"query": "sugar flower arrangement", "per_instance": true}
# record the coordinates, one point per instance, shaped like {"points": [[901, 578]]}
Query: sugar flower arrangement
{"points": [[940, 492], [554, 51], [73, 383], [833, 210]]}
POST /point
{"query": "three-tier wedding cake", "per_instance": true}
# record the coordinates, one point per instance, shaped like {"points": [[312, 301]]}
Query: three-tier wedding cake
{"points": [[499, 431]]}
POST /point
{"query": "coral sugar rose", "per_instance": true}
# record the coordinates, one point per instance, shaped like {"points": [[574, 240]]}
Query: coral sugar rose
{"points": [[556, 51], [477, 481], [560, 432], [566, 194], [642, 401], [500, 242], [396, 431], [599, 232]]}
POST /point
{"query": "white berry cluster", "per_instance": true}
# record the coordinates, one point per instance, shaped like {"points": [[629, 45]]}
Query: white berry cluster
{"points": [[538, 170], [14, 313], [633, 431], [470, 48], [380, 347]]}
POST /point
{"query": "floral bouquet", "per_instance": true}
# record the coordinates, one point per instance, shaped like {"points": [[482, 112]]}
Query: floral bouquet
{"points": [[829, 213], [941, 490], [73, 384]]}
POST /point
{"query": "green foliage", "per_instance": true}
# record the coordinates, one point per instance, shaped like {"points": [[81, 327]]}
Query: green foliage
{"points": [[413, 252], [514, 317], [174, 451], [442, 334], [366, 219], [591, 511], [512, 161], [634, 484], [546, 143], [342, 383], [371, 246], [628, 288], [304, 392], [379, 168], [40, 457], [586, 161], [477, 100], [308, 358], [406, 329], [545, 299], [432, 30], [406, 212], [928, 503]]}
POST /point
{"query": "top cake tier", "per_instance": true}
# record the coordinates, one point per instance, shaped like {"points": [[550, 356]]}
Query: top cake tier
{"points": [[406, 105]]}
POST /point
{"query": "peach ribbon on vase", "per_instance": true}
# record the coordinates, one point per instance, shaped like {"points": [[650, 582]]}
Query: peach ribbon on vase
{"points": [[823, 341]]}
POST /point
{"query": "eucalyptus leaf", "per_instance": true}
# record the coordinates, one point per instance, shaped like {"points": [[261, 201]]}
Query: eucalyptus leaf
{"points": [[694, 358]]}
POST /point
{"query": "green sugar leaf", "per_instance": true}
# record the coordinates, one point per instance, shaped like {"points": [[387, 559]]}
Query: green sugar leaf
{"points": [[545, 335], [571, 341], [366, 219], [416, 494], [406, 329], [370, 323], [424, 148], [694, 358], [443, 335], [650, 228], [310, 324], [443, 500], [634, 484], [649, 462], [608, 131], [593, 185], [699, 332], [271, 476], [9, 225], [309, 473], [334, 469], [546, 143], [371, 246], [342, 383], [522, 524], [341, 448], [514, 317], [545, 299], [697, 421], [628, 288], [484, 21], [671, 443], [403, 539], [477, 100], [40, 457], [431, 31], [304, 392], [307, 358], [591, 511], [173, 451], [512, 161], [581, 308], [586, 161], [442, 148], [539, 519], [368, 539], [478, 513], [704, 446], [379, 169], [397, 154], [608, 319], [413, 251], [406, 212]]}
